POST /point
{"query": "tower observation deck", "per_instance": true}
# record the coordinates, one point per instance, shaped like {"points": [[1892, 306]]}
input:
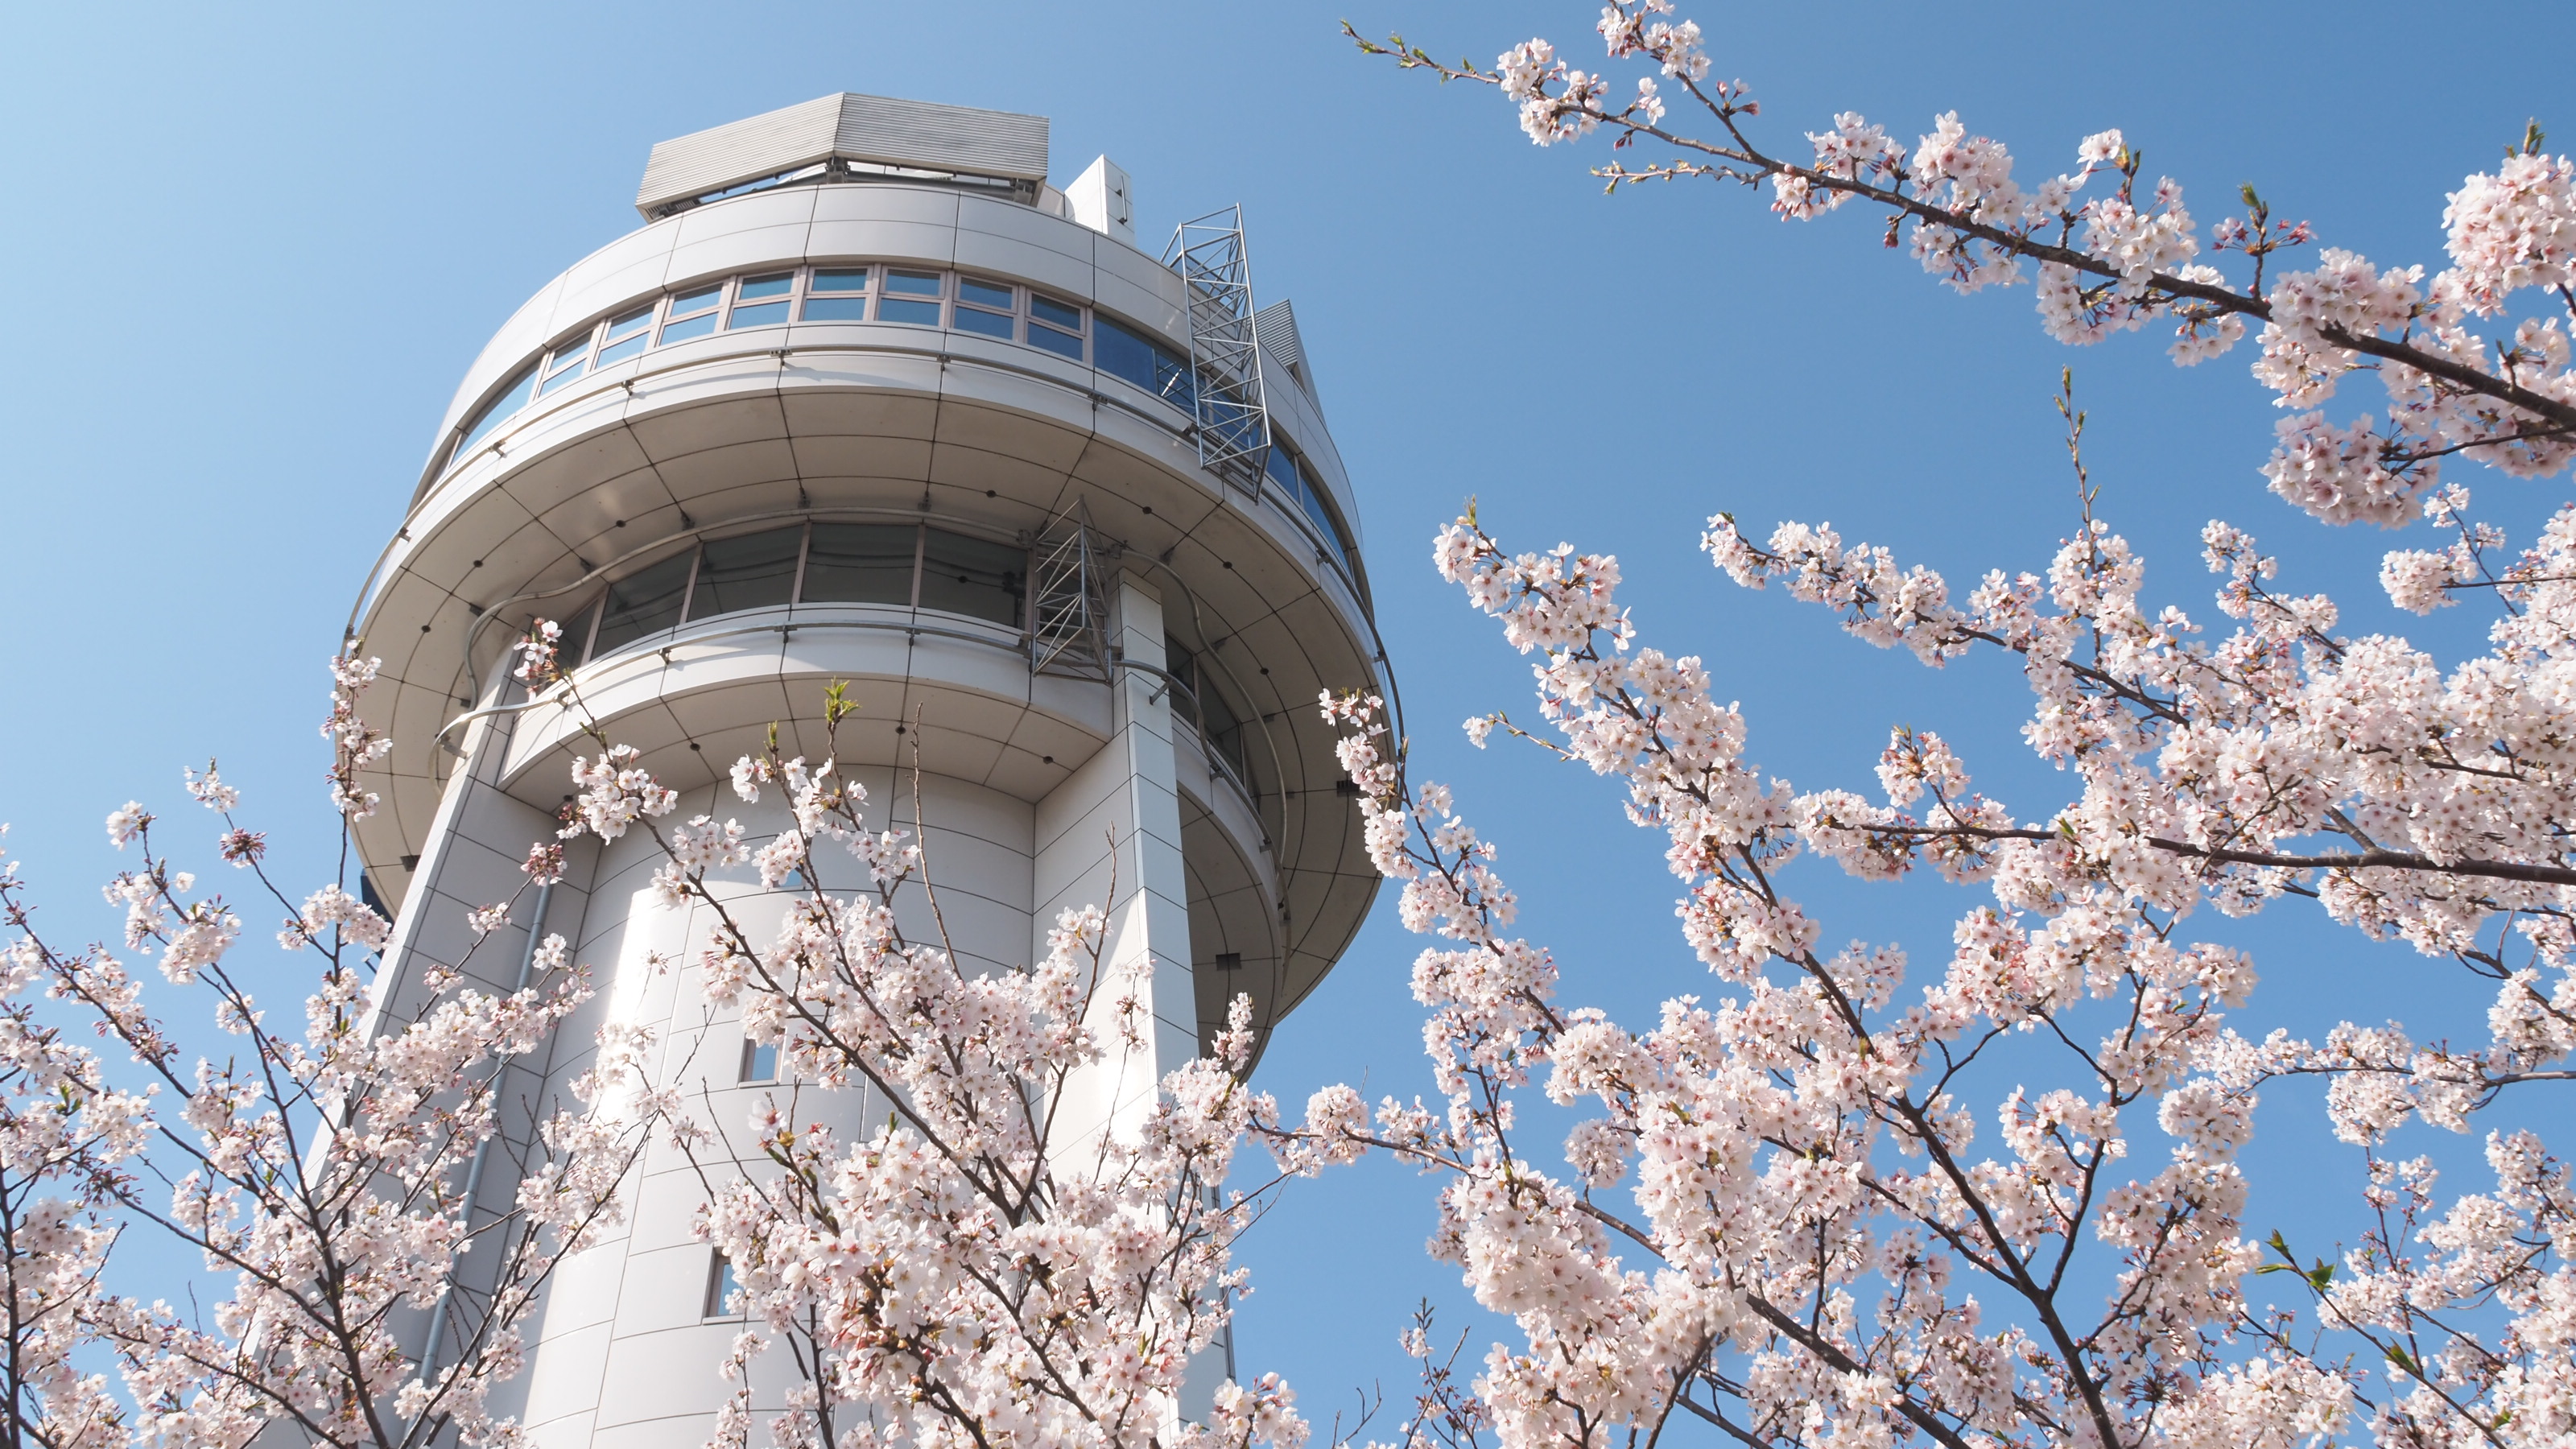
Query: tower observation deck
{"points": [[867, 399]]}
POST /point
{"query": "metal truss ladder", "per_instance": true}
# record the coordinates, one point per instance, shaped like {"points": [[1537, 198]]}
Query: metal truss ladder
{"points": [[1225, 353]]}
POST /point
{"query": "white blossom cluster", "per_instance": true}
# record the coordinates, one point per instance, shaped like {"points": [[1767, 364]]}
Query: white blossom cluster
{"points": [[2130, 255], [1820, 1251], [321, 1173], [970, 1273]]}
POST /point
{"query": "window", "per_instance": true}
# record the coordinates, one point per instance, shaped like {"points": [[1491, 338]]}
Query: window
{"points": [[756, 571], [1122, 351], [1055, 326], [693, 313], [860, 563], [1199, 702], [759, 1061], [722, 1285], [1292, 477], [1310, 496], [906, 565], [625, 336], [905, 294], [645, 602], [836, 294], [565, 363], [760, 301], [499, 410], [986, 308], [969, 576], [845, 292]]}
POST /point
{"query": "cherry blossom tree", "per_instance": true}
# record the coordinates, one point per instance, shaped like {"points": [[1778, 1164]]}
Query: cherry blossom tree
{"points": [[989, 1267], [324, 1174], [1781, 1222], [66, 1136]]}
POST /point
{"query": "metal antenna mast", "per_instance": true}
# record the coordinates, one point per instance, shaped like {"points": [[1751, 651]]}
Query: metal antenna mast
{"points": [[1225, 352]]}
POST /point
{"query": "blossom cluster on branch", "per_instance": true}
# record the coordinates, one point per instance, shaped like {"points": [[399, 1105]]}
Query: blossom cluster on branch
{"points": [[993, 1265], [2109, 250], [321, 1173], [1843, 1201]]}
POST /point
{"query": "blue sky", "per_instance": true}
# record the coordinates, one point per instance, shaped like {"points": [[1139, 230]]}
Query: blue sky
{"points": [[252, 252]]}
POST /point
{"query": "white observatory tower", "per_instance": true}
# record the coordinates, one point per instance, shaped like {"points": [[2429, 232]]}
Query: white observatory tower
{"points": [[867, 399]]}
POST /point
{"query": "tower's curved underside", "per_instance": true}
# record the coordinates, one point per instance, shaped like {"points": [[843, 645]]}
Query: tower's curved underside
{"points": [[931, 432]]}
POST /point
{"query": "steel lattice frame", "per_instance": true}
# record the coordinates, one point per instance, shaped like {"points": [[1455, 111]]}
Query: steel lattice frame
{"points": [[1225, 354], [1067, 613]]}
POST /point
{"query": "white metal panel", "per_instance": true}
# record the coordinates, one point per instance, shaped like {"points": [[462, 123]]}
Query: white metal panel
{"points": [[739, 151], [879, 130], [942, 138], [1276, 325], [1104, 199]]}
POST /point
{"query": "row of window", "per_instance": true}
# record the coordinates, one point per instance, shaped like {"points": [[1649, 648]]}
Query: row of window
{"points": [[1293, 477], [858, 292], [855, 292], [906, 564]]}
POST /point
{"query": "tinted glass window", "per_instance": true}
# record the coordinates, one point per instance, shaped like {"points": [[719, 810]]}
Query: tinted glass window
{"points": [[1062, 343], [630, 324], [970, 576], [1199, 702], [1312, 497], [756, 571], [626, 336], [760, 315], [983, 294], [1048, 309], [643, 603], [1121, 351], [565, 365], [905, 309], [860, 563], [499, 410], [770, 286], [920, 284], [991, 324], [693, 314], [1283, 471], [840, 309], [839, 279]]}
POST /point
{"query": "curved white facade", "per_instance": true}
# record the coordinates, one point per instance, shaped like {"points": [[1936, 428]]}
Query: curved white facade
{"points": [[776, 461]]}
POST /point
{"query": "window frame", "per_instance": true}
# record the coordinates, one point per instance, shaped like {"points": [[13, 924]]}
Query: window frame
{"points": [[1080, 335], [1078, 344], [555, 372], [688, 591], [486, 420], [595, 613], [671, 316], [937, 300], [1008, 311], [722, 1284], [642, 337], [865, 296], [786, 300]]}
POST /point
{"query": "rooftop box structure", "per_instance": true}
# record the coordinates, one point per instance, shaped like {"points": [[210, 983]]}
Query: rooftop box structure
{"points": [[847, 135]]}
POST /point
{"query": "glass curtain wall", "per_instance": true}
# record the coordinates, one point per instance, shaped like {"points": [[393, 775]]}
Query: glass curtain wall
{"points": [[904, 565]]}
